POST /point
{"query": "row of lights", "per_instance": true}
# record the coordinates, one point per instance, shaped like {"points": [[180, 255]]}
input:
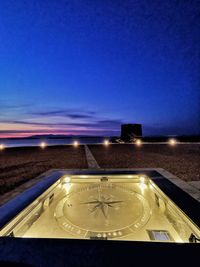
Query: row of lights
{"points": [[138, 142], [106, 142], [43, 144], [171, 142], [75, 144]]}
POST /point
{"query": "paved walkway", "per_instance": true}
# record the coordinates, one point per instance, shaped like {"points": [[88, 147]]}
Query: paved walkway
{"points": [[92, 163], [195, 184]]}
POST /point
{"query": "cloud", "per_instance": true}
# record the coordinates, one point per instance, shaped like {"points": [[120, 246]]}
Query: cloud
{"points": [[24, 122], [54, 131], [113, 123], [104, 124], [79, 116], [84, 132], [69, 113], [80, 122], [26, 109], [6, 107], [21, 131]]}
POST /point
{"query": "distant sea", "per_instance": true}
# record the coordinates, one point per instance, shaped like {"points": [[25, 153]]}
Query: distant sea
{"points": [[50, 141]]}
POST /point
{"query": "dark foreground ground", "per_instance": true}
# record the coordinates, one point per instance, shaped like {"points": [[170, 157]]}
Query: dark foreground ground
{"points": [[18, 165], [65, 252]]}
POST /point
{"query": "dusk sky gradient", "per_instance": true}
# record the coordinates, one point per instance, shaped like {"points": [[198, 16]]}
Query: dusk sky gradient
{"points": [[86, 66]]}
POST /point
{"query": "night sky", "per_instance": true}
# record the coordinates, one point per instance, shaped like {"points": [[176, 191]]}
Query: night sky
{"points": [[86, 66]]}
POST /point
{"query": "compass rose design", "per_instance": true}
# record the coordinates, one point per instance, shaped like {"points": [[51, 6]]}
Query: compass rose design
{"points": [[102, 204], [102, 210]]}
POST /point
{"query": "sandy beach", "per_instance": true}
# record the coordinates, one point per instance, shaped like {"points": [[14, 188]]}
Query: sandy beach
{"points": [[18, 165]]}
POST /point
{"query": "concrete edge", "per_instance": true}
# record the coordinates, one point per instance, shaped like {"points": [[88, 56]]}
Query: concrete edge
{"points": [[21, 188], [186, 187], [28, 196]]}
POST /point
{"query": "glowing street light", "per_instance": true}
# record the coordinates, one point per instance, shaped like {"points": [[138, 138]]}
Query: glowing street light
{"points": [[172, 142], [76, 143], [106, 142], [2, 146], [138, 142], [43, 144]]}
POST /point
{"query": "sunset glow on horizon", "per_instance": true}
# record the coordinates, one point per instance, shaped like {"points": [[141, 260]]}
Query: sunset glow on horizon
{"points": [[64, 133]]}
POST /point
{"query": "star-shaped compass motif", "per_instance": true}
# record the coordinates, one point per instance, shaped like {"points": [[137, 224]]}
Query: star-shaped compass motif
{"points": [[102, 203]]}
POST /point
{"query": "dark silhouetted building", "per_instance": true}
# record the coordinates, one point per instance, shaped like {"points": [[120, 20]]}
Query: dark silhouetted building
{"points": [[129, 132]]}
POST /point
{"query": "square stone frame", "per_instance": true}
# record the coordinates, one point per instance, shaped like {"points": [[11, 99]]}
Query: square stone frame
{"points": [[73, 252], [186, 197]]}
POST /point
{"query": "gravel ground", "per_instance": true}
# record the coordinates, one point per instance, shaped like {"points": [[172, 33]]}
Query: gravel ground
{"points": [[181, 160], [18, 165]]}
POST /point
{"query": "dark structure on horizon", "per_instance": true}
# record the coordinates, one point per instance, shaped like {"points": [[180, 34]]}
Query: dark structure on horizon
{"points": [[129, 132]]}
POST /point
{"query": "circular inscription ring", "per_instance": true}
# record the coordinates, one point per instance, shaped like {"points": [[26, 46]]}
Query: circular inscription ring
{"points": [[102, 211]]}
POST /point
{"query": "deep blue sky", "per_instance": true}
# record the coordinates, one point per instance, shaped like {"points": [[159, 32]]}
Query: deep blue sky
{"points": [[85, 66]]}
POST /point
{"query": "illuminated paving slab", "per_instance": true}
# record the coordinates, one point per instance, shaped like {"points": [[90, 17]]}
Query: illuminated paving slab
{"points": [[103, 205]]}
